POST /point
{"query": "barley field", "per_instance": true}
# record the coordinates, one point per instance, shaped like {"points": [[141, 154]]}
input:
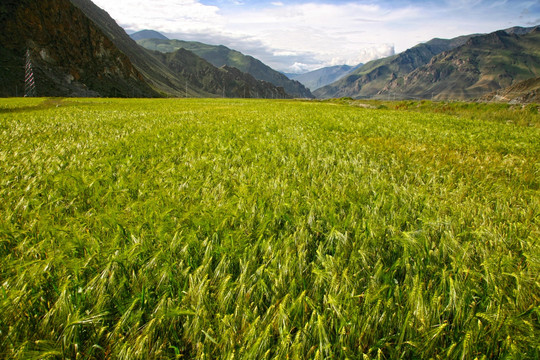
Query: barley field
{"points": [[256, 229]]}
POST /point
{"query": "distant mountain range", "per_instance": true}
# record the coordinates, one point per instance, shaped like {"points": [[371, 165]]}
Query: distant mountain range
{"points": [[316, 79], [462, 68], [219, 55]]}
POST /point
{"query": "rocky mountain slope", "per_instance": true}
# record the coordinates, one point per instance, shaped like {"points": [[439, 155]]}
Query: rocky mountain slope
{"points": [[368, 80], [71, 56], [523, 92], [482, 65], [223, 56], [316, 79], [224, 81], [157, 74], [162, 75], [460, 68]]}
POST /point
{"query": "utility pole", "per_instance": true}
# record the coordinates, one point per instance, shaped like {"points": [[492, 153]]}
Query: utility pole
{"points": [[29, 83]]}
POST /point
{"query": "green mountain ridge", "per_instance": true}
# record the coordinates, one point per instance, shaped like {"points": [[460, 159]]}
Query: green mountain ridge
{"points": [[461, 68], [219, 55], [484, 64], [224, 81], [147, 34], [368, 80]]}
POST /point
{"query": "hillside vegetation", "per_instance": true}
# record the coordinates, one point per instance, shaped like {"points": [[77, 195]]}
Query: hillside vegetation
{"points": [[368, 80], [250, 229], [462, 68], [219, 55]]}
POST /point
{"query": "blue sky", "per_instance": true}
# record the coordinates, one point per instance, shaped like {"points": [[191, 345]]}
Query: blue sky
{"points": [[303, 35]]}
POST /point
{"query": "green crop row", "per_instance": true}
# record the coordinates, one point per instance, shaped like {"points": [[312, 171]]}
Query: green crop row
{"points": [[253, 229]]}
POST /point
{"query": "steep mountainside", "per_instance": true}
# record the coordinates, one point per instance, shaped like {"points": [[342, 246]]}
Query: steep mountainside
{"points": [[157, 72], [154, 71], [70, 55], [523, 92], [495, 64], [225, 81], [368, 80], [482, 65], [221, 55], [316, 79]]}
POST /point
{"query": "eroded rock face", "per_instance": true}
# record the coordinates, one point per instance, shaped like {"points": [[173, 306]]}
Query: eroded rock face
{"points": [[70, 54]]}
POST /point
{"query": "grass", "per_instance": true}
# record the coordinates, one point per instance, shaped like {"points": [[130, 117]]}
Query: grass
{"points": [[244, 229]]}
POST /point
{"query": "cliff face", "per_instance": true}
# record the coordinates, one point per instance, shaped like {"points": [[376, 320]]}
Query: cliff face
{"points": [[71, 56]]}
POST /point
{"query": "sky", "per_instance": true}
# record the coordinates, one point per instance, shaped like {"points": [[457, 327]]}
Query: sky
{"points": [[297, 36]]}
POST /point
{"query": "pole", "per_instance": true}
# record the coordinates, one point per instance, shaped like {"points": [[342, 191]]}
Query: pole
{"points": [[29, 83]]}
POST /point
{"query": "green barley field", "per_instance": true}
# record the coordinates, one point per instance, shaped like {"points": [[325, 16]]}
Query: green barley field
{"points": [[257, 229]]}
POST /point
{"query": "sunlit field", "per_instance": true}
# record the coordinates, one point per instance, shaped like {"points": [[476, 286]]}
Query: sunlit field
{"points": [[253, 229]]}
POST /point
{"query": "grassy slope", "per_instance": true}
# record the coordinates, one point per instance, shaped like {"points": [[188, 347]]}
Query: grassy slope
{"points": [[202, 228]]}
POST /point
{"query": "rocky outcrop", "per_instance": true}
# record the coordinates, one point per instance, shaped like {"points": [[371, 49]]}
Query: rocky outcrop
{"points": [[524, 92], [71, 56]]}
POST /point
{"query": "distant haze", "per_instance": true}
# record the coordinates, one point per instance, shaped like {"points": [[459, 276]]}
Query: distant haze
{"points": [[298, 36]]}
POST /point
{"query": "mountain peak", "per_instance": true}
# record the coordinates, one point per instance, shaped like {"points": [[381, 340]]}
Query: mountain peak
{"points": [[148, 34]]}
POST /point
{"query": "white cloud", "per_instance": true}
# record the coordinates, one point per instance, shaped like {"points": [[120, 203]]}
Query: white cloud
{"points": [[164, 15]]}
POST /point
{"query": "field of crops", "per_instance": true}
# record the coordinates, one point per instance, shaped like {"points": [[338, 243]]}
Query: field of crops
{"points": [[252, 229]]}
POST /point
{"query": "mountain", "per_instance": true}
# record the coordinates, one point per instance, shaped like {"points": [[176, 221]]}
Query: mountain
{"points": [[460, 68], [162, 75], [223, 56], [157, 74], [228, 81], [147, 34], [368, 80], [70, 55], [316, 79], [484, 64], [523, 92]]}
